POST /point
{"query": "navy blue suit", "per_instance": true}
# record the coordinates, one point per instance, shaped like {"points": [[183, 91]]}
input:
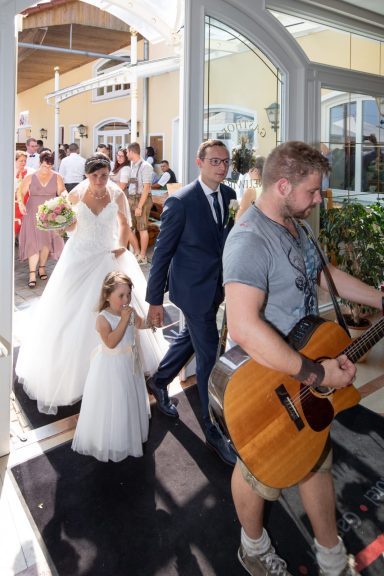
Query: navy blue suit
{"points": [[188, 260]]}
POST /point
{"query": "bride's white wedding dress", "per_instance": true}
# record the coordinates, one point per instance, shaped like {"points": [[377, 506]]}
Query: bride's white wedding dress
{"points": [[55, 349]]}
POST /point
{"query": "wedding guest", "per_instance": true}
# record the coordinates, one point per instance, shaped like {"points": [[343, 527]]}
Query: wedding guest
{"points": [[54, 355], [72, 167], [34, 244], [167, 177], [187, 257], [21, 171], [121, 409], [33, 157], [121, 169], [104, 149], [149, 155], [252, 185], [271, 275], [139, 196], [120, 176]]}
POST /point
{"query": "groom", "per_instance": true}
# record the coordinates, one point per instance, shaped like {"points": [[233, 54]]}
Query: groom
{"points": [[187, 260]]}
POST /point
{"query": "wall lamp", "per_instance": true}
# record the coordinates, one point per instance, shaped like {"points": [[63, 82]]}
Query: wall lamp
{"points": [[43, 133], [380, 107], [82, 130], [273, 113]]}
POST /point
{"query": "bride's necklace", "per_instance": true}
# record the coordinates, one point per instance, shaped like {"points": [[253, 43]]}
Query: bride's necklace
{"points": [[98, 197]]}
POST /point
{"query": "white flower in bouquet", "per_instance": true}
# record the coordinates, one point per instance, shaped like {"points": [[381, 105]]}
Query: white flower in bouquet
{"points": [[55, 214]]}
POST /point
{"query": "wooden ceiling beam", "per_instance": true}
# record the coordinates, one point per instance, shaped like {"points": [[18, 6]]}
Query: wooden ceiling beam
{"points": [[73, 12]]}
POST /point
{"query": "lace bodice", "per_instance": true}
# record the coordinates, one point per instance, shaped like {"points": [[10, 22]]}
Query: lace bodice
{"points": [[95, 233]]}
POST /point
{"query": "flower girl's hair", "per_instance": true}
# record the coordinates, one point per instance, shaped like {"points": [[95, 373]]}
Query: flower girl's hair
{"points": [[109, 285]]}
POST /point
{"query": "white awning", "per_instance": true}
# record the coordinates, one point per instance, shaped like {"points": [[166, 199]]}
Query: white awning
{"points": [[122, 75]]}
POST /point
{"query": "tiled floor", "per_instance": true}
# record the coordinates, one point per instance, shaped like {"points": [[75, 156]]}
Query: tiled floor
{"points": [[21, 550]]}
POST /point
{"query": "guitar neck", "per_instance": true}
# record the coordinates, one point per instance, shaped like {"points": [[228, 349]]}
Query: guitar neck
{"points": [[363, 343]]}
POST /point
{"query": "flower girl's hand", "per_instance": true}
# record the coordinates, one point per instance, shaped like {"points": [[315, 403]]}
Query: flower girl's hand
{"points": [[126, 311]]}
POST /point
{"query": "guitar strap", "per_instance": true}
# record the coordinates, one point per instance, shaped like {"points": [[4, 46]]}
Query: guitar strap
{"points": [[331, 285]]}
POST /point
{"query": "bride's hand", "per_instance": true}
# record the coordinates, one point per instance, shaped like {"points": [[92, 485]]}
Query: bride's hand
{"points": [[119, 251]]}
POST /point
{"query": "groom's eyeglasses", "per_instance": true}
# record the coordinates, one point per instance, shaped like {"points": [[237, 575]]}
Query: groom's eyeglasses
{"points": [[218, 161]]}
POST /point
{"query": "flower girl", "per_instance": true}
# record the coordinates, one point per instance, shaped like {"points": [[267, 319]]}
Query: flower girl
{"points": [[114, 415]]}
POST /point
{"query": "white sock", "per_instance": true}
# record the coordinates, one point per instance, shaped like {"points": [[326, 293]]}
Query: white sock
{"points": [[331, 560], [257, 547]]}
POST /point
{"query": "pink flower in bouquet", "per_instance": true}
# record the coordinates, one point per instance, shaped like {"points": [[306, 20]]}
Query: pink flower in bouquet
{"points": [[55, 214]]}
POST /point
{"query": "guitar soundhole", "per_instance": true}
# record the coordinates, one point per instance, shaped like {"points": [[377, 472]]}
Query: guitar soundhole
{"points": [[317, 411]]}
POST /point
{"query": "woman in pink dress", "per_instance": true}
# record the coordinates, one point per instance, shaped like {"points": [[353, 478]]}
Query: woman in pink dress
{"points": [[34, 244]]}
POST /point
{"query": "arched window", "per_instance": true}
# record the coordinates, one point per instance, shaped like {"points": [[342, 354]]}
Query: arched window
{"points": [[242, 94]]}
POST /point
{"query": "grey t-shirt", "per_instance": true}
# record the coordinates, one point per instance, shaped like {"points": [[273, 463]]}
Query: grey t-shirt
{"points": [[262, 253]]}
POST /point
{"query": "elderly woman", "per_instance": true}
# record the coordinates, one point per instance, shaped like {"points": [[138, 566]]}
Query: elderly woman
{"points": [[34, 244], [55, 352]]}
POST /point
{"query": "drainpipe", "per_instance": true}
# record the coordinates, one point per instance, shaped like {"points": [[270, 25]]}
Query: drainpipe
{"points": [[145, 98], [57, 117], [133, 85]]}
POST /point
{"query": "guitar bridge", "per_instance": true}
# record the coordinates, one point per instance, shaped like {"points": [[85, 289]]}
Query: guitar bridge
{"points": [[286, 401]]}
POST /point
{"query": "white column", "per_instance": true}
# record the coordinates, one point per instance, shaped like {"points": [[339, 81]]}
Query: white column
{"points": [[193, 87], [133, 86], [7, 162], [57, 118]]}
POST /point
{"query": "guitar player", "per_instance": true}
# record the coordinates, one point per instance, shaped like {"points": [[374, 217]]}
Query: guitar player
{"points": [[271, 273]]}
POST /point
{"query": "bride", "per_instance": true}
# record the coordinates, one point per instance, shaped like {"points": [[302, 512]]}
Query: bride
{"points": [[55, 349]]}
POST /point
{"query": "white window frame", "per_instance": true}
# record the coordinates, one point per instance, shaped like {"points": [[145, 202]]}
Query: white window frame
{"points": [[114, 93]]}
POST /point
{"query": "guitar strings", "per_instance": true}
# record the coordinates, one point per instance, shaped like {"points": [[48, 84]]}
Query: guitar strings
{"points": [[360, 346]]}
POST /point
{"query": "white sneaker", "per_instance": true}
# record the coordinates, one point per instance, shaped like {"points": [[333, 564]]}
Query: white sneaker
{"points": [[268, 564], [349, 569]]}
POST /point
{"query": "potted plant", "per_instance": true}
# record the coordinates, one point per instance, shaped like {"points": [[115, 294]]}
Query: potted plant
{"points": [[353, 238], [242, 157]]}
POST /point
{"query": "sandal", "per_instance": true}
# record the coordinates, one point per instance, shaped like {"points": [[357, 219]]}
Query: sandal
{"points": [[32, 283], [42, 276]]}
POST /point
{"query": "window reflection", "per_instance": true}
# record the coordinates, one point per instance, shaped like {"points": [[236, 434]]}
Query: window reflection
{"points": [[352, 139], [240, 85]]}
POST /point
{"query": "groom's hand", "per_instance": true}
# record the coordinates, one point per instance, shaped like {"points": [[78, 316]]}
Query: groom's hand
{"points": [[156, 315]]}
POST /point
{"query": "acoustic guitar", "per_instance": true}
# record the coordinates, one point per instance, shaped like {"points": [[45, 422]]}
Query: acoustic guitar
{"points": [[279, 426]]}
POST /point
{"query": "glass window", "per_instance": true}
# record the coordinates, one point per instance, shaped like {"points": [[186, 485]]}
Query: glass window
{"points": [[328, 45], [113, 90], [353, 139], [242, 96]]}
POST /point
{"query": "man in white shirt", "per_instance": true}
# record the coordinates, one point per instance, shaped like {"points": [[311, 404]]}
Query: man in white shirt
{"points": [[33, 158], [72, 168], [139, 196]]}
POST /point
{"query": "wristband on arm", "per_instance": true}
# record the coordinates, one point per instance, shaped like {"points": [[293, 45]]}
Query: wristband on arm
{"points": [[311, 373]]}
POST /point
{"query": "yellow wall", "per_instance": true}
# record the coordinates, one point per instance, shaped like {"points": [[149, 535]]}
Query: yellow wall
{"points": [[338, 48], [82, 109]]}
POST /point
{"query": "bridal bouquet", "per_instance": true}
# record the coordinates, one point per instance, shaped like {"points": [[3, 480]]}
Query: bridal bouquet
{"points": [[55, 214]]}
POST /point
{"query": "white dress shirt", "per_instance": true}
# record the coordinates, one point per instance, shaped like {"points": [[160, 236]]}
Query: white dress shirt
{"points": [[33, 161], [72, 168], [207, 191]]}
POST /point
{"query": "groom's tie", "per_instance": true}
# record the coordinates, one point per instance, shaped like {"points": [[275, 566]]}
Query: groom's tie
{"points": [[217, 209]]}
